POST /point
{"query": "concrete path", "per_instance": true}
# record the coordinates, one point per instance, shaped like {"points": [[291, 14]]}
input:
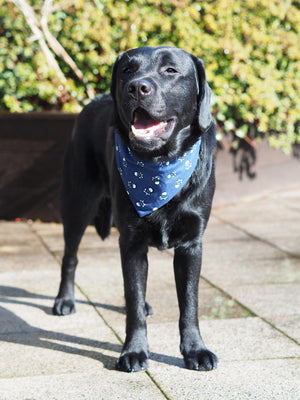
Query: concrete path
{"points": [[249, 308]]}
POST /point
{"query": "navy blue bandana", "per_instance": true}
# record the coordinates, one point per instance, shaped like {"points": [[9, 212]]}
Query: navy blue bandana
{"points": [[151, 185]]}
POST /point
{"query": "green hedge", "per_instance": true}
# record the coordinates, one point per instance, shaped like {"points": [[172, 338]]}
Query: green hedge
{"points": [[250, 49]]}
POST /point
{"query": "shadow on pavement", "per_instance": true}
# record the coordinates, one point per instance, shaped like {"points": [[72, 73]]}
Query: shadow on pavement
{"points": [[29, 335]]}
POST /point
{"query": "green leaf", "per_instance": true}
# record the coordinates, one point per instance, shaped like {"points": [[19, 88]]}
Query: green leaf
{"points": [[229, 125], [242, 131]]}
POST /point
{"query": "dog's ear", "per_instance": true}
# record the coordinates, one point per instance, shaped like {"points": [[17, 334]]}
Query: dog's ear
{"points": [[114, 77], [205, 118]]}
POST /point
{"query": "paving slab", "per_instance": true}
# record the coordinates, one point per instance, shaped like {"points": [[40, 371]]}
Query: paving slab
{"points": [[250, 259], [274, 171], [52, 235], [99, 276], [259, 258], [50, 357], [259, 380], [91, 385], [275, 218], [107, 294], [49, 344], [231, 339], [231, 257], [277, 303], [19, 247], [245, 348]]}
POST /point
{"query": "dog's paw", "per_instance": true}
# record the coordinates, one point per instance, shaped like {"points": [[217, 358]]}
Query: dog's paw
{"points": [[132, 362], [201, 360], [63, 306]]}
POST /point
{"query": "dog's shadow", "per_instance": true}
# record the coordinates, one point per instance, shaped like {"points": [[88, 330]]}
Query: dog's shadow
{"points": [[17, 330]]}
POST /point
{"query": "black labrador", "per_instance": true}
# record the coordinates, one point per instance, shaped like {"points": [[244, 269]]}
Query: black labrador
{"points": [[159, 108]]}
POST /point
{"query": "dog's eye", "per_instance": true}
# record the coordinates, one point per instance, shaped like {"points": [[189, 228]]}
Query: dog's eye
{"points": [[171, 70], [126, 70]]}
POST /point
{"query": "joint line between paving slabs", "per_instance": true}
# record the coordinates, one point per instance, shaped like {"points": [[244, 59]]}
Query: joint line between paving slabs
{"points": [[258, 238], [44, 244], [251, 312], [57, 259], [119, 338]]}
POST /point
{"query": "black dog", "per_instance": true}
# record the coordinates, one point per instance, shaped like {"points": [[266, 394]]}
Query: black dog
{"points": [[158, 110]]}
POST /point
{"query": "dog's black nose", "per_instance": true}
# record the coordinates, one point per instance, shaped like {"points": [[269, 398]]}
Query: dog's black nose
{"points": [[139, 88]]}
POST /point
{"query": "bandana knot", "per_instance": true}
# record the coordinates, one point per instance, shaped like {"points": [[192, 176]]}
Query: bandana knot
{"points": [[151, 185]]}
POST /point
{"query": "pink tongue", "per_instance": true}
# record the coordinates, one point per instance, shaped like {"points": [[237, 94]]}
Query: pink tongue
{"points": [[150, 130]]}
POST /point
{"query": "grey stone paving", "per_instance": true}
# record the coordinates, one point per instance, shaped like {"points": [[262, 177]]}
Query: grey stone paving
{"points": [[249, 312]]}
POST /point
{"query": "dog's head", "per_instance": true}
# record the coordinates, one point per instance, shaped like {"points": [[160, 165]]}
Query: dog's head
{"points": [[162, 100]]}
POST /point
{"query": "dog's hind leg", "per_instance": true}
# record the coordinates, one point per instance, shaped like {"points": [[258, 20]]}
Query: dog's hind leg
{"points": [[80, 202]]}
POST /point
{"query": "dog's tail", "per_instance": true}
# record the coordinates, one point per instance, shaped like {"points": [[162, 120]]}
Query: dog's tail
{"points": [[103, 219]]}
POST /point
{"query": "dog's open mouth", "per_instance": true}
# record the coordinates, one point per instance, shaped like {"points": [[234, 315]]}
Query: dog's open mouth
{"points": [[146, 127]]}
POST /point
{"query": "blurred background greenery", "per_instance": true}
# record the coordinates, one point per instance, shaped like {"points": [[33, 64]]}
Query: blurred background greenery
{"points": [[57, 55]]}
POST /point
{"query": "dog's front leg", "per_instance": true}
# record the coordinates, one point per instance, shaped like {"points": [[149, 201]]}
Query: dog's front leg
{"points": [[187, 266], [135, 353]]}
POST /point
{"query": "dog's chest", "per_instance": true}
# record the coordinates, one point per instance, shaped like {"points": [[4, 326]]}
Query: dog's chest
{"points": [[159, 236], [170, 233]]}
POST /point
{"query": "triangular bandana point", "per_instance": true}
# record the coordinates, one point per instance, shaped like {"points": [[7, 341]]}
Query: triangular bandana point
{"points": [[151, 185]]}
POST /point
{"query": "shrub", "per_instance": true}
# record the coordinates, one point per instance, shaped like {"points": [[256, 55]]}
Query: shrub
{"points": [[250, 49]]}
